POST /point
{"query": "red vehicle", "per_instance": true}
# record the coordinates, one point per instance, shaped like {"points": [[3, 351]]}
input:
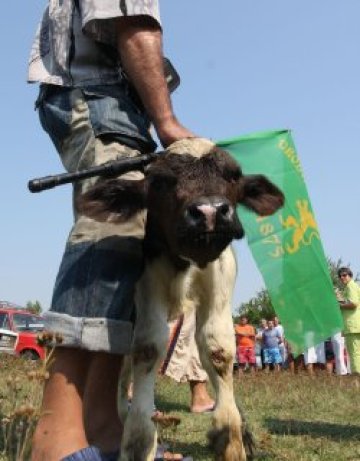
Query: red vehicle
{"points": [[27, 325]]}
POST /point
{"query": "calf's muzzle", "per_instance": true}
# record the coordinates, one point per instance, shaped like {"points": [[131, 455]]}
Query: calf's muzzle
{"points": [[207, 214]]}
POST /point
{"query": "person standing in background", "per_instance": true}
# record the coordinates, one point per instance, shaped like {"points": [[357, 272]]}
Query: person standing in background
{"points": [[245, 345], [350, 309], [314, 355], [259, 339], [280, 329], [338, 344], [271, 341], [183, 365]]}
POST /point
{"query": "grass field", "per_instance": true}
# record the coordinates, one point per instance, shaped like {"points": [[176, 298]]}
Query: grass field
{"points": [[293, 417]]}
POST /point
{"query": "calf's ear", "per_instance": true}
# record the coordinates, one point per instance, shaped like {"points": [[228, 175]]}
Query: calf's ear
{"points": [[112, 199], [260, 195]]}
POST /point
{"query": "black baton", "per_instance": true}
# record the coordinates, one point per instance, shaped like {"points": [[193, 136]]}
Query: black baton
{"points": [[114, 168]]}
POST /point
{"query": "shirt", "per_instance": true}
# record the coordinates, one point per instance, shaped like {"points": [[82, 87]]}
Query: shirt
{"points": [[271, 338], [245, 341], [75, 43], [279, 328], [352, 316]]}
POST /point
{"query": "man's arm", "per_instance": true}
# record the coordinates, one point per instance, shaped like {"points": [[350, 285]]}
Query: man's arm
{"points": [[347, 305], [352, 297], [139, 42]]}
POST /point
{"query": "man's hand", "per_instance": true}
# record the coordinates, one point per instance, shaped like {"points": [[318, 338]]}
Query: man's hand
{"points": [[170, 131], [347, 305]]}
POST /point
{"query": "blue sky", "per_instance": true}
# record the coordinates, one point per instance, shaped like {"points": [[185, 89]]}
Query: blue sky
{"points": [[246, 66]]}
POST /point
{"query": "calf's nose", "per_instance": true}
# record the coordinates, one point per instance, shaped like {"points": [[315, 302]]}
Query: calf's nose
{"points": [[208, 212]]}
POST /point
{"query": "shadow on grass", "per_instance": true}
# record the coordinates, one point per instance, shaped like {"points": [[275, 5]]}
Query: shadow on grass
{"points": [[168, 406], [195, 450], [332, 431]]}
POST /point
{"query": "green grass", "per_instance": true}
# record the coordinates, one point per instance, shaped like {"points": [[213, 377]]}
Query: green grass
{"points": [[293, 417]]}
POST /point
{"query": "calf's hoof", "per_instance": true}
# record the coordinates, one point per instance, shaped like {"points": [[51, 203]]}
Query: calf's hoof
{"points": [[249, 442], [226, 446]]}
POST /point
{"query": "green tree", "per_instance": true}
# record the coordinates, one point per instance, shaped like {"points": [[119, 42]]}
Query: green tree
{"points": [[34, 307], [256, 308]]}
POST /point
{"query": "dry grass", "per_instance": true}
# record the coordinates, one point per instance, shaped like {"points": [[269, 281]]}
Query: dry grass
{"points": [[21, 383], [294, 418], [20, 393]]}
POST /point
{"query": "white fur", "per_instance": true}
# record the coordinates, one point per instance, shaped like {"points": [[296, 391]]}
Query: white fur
{"points": [[197, 147], [162, 294]]}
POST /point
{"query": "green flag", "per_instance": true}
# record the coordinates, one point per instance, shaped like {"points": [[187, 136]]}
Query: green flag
{"points": [[287, 246]]}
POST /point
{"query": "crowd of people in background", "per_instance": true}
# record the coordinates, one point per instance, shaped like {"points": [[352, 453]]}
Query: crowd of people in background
{"points": [[264, 347]]}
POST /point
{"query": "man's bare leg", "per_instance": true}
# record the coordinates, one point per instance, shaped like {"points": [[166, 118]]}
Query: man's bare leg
{"points": [[329, 368], [102, 424], [60, 430], [310, 368], [292, 366], [240, 370], [200, 399]]}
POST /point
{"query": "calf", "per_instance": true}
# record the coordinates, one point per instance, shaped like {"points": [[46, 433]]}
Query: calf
{"points": [[190, 193]]}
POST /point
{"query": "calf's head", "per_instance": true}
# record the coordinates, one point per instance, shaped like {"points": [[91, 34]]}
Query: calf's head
{"points": [[191, 193]]}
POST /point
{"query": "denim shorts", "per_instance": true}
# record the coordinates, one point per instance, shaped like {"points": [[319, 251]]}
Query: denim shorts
{"points": [[93, 299], [272, 355]]}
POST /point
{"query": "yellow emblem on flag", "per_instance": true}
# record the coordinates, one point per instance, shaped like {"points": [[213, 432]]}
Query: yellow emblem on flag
{"points": [[304, 227]]}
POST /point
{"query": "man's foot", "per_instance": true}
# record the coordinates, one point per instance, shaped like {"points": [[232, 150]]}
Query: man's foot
{"points": [[206, 408], [201, 402]]}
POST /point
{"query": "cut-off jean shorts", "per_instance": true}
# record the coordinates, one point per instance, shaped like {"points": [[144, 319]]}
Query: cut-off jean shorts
{"points": [[272, 355], [93, 300]]}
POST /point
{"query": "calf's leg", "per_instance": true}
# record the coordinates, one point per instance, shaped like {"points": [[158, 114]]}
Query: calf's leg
{"points": [[216, 342], [150, 338]]}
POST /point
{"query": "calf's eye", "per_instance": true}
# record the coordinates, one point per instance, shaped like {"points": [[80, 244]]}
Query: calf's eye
{"points": [[162, 182], [232, 175]]}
